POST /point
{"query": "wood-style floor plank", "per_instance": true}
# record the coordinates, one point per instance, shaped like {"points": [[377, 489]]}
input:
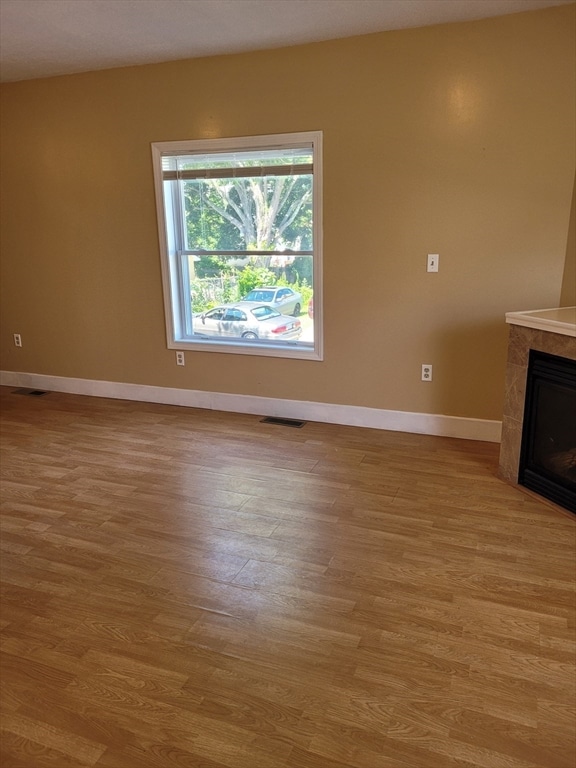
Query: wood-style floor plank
{"points": [[192, 589]]}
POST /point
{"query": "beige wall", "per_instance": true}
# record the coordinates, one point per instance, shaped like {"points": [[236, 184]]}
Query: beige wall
{"points": [[568, 293], [456, 139]]}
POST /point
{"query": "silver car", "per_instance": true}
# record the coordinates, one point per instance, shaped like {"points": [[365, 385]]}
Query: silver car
{"points": [[246, 320], [279, 297]]}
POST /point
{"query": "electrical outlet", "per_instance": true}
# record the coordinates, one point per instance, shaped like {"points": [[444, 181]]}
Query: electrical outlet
{"points": [[433, 261], [180, 358], [426, 372], [17, 340]]}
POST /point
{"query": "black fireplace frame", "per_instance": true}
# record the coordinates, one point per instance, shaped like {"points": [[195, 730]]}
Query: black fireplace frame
{"points": [[544, 368]]}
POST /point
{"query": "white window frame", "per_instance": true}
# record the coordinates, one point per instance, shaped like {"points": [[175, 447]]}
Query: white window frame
{"points": [[176, 303]]}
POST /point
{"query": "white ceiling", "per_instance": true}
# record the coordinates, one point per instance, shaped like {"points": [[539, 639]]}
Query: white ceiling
{"points": [[42, 38]]}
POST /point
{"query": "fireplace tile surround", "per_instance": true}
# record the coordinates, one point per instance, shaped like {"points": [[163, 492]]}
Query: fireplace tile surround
{"points": [[552, 331]]}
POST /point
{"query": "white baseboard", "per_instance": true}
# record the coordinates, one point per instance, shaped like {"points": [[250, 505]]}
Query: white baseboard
{"points": [[348, 415]]}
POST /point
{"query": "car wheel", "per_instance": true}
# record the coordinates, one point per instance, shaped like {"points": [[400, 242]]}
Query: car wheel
{"points": [[297, 309], [249, 335]]}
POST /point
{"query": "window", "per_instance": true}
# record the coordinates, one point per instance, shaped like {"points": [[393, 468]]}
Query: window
{"points": [[240, 241]]}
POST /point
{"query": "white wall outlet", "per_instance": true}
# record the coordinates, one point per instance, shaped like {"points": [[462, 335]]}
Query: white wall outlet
{"points": [[433, 261], [426, 372], [180, 358], [17, 340]]}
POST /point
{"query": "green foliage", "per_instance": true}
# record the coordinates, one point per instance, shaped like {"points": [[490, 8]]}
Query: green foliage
{"points": [[306, 291], [209, 292], [211, 266], [252, 277], [303, 269]]}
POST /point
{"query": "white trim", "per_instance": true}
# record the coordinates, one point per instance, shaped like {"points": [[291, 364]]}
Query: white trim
{"points": [[175, 301], [347, 415]]}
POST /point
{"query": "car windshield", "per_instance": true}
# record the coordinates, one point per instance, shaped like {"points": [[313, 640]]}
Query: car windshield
{"points": [[263, 313], [260, 296]]}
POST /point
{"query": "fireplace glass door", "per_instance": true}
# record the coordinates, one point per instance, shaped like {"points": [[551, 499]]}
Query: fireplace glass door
{"points": [[548, 453]]}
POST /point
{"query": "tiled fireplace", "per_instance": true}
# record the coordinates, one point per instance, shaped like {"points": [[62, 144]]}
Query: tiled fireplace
{"points": [[552, 331]]}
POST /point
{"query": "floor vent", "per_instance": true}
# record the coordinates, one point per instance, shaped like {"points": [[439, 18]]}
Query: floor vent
{"points": [[283, 422], [30, 392]]}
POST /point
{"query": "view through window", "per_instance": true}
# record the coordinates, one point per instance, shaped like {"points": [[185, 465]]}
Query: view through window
{"points": [[240, 240]]}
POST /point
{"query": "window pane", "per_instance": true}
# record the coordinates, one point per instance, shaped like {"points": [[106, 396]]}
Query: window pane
{"points": [[253, 158], [260, 213], [262, 312]]}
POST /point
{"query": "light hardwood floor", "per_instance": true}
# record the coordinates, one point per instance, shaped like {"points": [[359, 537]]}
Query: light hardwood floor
{"points": [[191, 589]]}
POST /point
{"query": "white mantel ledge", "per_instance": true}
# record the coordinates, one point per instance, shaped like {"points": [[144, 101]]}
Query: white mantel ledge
{"points": [[559, 320]]}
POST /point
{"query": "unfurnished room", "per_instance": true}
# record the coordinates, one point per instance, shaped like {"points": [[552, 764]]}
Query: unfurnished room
{"points": [[288, 384]]}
